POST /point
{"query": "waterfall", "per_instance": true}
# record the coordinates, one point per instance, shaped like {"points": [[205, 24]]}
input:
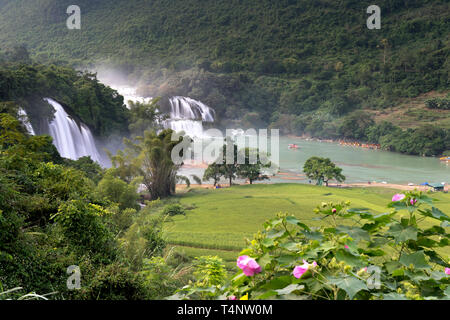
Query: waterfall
{"points": [[73, 141], [188, 115], [23, 116], [129, 94]]}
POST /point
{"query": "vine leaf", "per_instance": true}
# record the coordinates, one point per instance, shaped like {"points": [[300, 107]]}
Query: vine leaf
{"points": [[350, 285]]}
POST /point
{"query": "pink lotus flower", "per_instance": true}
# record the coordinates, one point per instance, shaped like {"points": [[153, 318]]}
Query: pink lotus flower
{"points": [[413, 201], [347, 247], [398, 197], [300, 270], [248, 265], [334, 210], [447, 271], [232, 298]]}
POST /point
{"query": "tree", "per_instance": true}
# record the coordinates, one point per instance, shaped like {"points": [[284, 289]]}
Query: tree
{"points": [[355, 125], [214, 172], [150, 160], [145, 116], [322, 169], [252, 171], [118, 191], [228, 167]]}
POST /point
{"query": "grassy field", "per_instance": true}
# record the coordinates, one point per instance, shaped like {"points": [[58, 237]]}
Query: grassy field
{"points": [[219, 221]]}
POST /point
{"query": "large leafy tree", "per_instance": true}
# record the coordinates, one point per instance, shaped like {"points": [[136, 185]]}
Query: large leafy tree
{"points": [[322, 169], [213, 172], [145, 116], [149, 159], [252, 170]]}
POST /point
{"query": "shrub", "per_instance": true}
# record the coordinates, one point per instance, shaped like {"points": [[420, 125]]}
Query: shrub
{"points": [[118, 191], [115, 282], [174, 210], [83, 228]]}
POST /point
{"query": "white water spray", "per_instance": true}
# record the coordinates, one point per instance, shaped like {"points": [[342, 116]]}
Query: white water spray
{"points": [[23, 116], [71, 140]]}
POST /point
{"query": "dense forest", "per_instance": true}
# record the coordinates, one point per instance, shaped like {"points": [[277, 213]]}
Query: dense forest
{"points": [[291, 56], [302, 66]]}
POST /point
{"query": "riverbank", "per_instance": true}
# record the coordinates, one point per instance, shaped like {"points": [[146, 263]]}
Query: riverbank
{"points": [[401, 187]]}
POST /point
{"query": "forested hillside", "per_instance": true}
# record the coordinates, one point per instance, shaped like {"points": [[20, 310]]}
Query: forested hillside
{"points": [[303, 66]]}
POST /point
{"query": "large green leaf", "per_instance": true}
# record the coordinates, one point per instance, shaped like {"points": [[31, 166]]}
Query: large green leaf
{"points": [[350, 285], [275, 234], [402, 233], [354, 232], [296, 222], [417, 259], [394, 296], [290, 288], [435, 213], [349, 258]]}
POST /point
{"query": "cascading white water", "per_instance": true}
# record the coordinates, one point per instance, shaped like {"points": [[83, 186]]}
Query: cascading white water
{"points": [[129, 94], [71, 140], [23, 116], [188, 115]]}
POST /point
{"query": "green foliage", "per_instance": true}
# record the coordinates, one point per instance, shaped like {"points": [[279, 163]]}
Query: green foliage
{"points": [[96, 105], [83, 227], [210, 274], [149, 159], [322, 170], [118, 191], [86, 224], [436, 103], [354, 126], [354, 254], [213, 172], [196, 179], [254, 163], [247, 163], [173, 210], [145, 116], [91, 169], [270, 66], [427, 140], [142, 240], [209, 271], [115, 282], [161, 278]]}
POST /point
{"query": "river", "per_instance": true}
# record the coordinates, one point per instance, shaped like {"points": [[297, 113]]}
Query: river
{"points": [[358, 164]]}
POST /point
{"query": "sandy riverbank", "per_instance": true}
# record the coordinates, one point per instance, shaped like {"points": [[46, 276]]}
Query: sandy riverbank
{"points": [[331, 185]]}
